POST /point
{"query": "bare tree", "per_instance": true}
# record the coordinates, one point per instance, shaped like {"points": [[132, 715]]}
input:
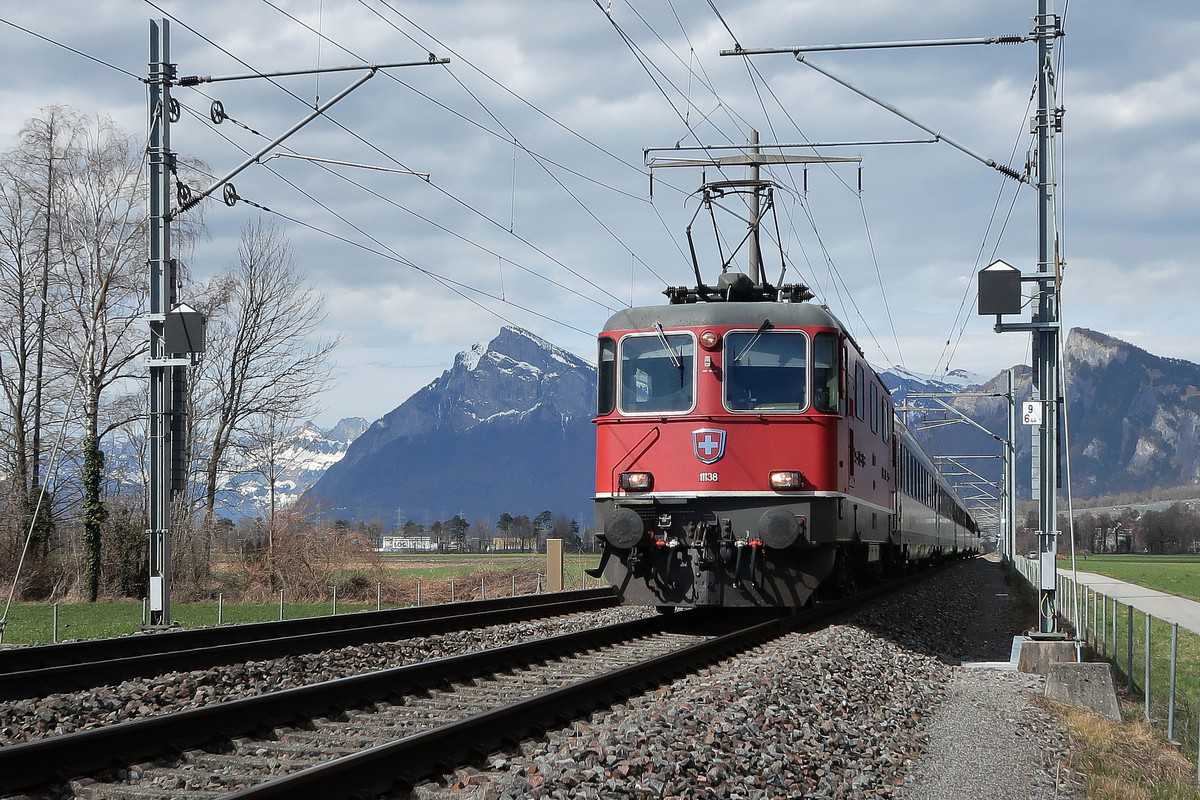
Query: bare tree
{"points": [[264, 358], [18, 335], [103, 293], [269, 445]]}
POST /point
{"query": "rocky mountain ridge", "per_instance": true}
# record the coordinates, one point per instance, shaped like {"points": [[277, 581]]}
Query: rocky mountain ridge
{"points": [[506, 427]]}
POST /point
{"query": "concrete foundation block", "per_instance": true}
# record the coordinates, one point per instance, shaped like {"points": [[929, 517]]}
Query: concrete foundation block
{"points": [[1087, 685], [1038, 654]]}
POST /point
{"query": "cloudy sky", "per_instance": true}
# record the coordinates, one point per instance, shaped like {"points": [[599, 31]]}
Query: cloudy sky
{"points": [[558, 76]]}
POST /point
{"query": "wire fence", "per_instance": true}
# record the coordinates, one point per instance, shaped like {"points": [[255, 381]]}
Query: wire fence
{"points": [[46, 623], [1154, 660]]}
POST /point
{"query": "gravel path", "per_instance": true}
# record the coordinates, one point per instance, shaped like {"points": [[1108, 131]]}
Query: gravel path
{"points": [[839, 714], [55, 714], [987, 740]]}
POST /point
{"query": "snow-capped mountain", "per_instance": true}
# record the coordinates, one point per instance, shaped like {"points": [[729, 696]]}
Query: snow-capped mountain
{"points": [[302, 458], [902, 381], [507, 427]]}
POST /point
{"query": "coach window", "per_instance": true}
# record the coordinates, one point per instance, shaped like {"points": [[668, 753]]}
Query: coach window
{"points": [[606, 384], [825, 373], [859, 394], [875, 408], [766, 371], [657, 373]]}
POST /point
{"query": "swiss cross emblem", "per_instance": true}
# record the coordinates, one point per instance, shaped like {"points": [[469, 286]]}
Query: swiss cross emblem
{"points": [[708, 444]]}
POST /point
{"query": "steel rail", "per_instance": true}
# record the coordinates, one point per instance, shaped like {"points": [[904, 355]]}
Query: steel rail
{"points": [[34, 671], [49, 761]]}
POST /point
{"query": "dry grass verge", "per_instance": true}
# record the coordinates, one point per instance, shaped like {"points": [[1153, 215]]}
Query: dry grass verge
{"points": [[1124, 761]]}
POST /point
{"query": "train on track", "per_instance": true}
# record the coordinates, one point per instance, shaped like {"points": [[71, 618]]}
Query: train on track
{"points": [[747, 454]]}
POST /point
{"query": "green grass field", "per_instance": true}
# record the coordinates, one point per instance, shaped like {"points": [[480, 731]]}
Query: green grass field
{"points": [[1178, 575], [32, 623]]}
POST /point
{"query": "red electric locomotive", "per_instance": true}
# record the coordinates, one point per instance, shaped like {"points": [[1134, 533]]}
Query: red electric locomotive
{"points": [[746, 452], [747, 455]]}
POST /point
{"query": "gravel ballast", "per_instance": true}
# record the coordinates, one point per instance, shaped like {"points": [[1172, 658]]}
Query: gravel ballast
{"points": [[23, 720], [842, 713]]}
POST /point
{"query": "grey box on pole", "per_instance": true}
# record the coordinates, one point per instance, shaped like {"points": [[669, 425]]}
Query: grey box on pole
{"points": [[999, 289], [184, 330]]}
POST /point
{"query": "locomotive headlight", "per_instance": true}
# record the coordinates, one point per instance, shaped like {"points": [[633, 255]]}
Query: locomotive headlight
{"points": [[709, 340], [636, 481], [784, 480]]}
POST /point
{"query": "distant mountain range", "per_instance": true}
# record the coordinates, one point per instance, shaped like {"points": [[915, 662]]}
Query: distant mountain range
{"points": [[508, 428], [1134, 417], [306, 456]]}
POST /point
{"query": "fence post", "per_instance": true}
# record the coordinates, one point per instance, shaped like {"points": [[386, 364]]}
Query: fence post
{"points": [[334, 600], [452, 590], [54, 624], [1114, 632], [220, 608], [1171, 693], [554, 565], [144, 611], [481, 587], [1103, 629], [514, 584], [418, 592], [379, 595], [1095, 619], [1129, 643], [281, 605], [1146, 667]]}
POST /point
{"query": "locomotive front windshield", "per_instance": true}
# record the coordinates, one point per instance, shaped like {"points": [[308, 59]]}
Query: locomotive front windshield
{"points": [[766, 371], [657, 373]]}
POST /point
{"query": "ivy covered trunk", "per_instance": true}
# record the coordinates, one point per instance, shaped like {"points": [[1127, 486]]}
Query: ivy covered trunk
{"points": [[94, 512]]}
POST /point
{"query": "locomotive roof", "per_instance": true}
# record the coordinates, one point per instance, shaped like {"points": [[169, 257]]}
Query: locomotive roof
{"points": [[751, 314]]}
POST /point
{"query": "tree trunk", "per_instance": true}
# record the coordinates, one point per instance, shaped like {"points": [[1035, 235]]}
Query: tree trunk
{"points": [[94, 512], [43, 526]]}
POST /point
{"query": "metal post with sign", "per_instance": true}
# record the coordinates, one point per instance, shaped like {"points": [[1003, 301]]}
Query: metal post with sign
{"points": [[998, 296]]}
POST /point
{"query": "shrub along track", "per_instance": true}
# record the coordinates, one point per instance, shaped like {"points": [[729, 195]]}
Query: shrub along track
{"points": [[368, 733]]}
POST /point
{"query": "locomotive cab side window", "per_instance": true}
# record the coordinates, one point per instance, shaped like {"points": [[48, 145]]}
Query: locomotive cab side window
{"points": [[766, 371], [657, 373], [826, 373], [606, 383]]}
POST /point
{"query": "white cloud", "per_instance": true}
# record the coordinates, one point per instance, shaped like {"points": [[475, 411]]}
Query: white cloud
{"points": [[1132, 117]]}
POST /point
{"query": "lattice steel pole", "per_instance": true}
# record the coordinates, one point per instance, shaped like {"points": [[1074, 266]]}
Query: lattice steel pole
{"points": [[1045, 336], [162, 288]]}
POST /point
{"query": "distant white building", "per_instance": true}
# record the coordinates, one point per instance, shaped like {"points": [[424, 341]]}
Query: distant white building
{"points": [[420, 543]]}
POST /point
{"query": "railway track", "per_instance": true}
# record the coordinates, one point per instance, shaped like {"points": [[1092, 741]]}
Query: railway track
{"points": [[38, 671], [369, 733]]}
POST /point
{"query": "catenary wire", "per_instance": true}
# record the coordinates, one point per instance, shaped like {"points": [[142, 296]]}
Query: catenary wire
{"points": [[987, 231], [512, 138], [358, 137], [391, 254], [74, 50], [390, 201]]}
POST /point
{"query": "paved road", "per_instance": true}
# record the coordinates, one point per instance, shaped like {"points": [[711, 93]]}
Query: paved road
{"points": [[1162, 605]]}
